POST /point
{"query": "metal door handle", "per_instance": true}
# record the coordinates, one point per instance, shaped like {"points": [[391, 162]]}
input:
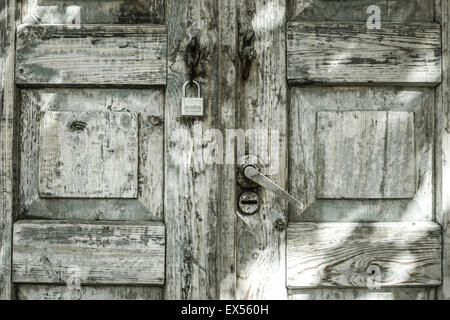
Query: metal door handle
{"points": [[253, 174]]}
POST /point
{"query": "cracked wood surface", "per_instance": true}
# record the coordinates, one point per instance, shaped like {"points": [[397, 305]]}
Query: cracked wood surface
{"points": [[91, 55], [365, 155], [97, 150], [149, 104], [341, 254], [97, 252], [348, 53], [92, 11], [86, 292]]}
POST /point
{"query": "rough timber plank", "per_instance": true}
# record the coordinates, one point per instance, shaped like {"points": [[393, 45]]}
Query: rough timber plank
{"points": [[93, 11], [365, 155], [100, 153], [7, 128], [348, 53], [98, 253], [191, 188], [341, 254], [262, 106], [149, 103], [91, 55], [355, 10], [52, 292], [226, 218]]}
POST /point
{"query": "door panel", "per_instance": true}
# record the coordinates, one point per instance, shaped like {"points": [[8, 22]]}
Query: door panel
{"points": [[93, 11], [99, 150], [55, 292], [365, 155], [346, 53], [96, 252], [147, 103], [364, 294], [91, 55], [355, 10], [340, 254], [307, 102]]}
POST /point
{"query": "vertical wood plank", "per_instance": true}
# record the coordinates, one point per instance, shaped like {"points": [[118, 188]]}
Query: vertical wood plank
{"points": [[443, 150], [7, 29], [262, 106], [191, 186], [226, 219]]}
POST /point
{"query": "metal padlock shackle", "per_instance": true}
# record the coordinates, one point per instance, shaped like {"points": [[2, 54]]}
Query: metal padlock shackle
{"points": [[194, 82]]}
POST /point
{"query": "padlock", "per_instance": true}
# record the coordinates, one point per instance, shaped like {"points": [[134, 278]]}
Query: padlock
{"points": [[192, 106]]}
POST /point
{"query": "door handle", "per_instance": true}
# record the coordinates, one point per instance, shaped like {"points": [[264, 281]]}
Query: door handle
{"points": [[252, 173]]}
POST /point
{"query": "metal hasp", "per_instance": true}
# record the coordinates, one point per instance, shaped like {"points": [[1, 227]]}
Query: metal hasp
{"points": [[254, 175], [192, 57]]}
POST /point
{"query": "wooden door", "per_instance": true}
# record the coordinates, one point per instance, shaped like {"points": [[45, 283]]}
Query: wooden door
{"points": [[362, 127], [89, 106], [102, 198], [360, 148]]}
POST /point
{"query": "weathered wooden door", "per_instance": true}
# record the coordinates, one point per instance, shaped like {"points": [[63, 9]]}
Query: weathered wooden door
{"points": [[109, 193]]}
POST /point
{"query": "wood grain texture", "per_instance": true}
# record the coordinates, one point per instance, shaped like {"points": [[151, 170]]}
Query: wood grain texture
{"points": [[306, 102], [338, 53], [226, 219], [341, 254], [365, 155], [7, 134], [49, 252], [91, 55], [262, 106], [92, 11], [443, 151], [191, 189], [52, 292], [148, 103], [355, 10], [98, 150], [364, 294]]}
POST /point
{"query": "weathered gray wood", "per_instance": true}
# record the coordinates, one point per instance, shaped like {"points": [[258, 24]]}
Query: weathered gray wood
{"points": [[262, 106], [365, 155], [93, 11], [97, 253], [52, 292], [443, 152], [97, 150], [7, 44], [355, 10], [226, 218], [191, 185], [369, 210], [337, 53], [149, 105], [91, 55], [341, 254], [364, 294], [305, 102]]}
